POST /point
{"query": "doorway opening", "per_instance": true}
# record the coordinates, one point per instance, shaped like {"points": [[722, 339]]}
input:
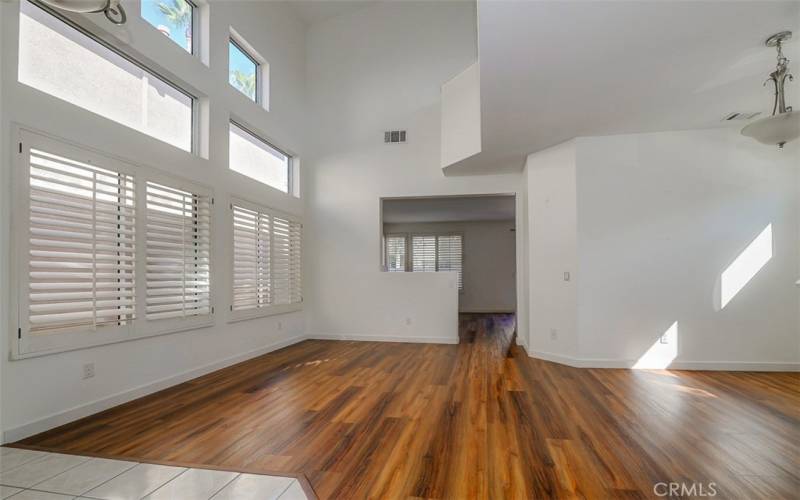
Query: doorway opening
{"points": [[473, 236]]}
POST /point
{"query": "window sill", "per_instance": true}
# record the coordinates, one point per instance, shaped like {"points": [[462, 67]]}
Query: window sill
{"points": [[113, 337], [236, 316]]}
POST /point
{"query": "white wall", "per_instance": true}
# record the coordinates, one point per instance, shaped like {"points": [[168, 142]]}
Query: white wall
{"points": [[552, 239], [41, 392], [461, 116], [489, 261], [376, 69], [660, 217], [647, 223]]}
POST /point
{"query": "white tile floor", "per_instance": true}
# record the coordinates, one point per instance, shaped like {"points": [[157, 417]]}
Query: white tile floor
{"points": [[38, 475]]}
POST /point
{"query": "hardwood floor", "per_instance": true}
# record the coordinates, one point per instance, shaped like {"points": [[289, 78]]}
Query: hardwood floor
{"points": [[392, 420]]}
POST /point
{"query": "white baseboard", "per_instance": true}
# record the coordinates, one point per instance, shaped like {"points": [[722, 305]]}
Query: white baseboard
{"points": [[737, 366], [487, 310], [385, 338], [580, 362], [119, 398]]}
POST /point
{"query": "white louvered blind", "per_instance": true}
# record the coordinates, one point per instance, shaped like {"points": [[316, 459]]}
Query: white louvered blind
{"points": [[178, 253], [266, 259], [423, 253], [396, 253], [81, 245], [285, 253], [449, 255], [251, 246]]}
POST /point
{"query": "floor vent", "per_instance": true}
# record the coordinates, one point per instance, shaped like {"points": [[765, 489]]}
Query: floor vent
{"points": [[394, 136]]}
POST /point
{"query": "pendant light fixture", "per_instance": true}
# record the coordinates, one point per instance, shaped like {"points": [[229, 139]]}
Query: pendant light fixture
{"points": [[111, 8], [784, 124]]}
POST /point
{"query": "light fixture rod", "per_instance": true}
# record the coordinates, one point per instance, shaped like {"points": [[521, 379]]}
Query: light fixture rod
{"points": [[781, 73]]}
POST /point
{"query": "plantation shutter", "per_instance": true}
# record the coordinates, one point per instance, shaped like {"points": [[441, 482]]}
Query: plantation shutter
{"points": [[449, 255], [396, 253], [81, 245], [178, 253], [251, 255], [295, 262], [423, 253], [267, 260], [281, 260]]}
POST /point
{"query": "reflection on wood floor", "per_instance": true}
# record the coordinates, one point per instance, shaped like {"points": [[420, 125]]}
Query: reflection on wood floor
{"points": [[392, 420]]}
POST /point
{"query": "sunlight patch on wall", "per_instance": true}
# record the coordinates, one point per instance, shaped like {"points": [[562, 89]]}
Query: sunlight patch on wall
{"points": [[746, 265], [662, 352]]}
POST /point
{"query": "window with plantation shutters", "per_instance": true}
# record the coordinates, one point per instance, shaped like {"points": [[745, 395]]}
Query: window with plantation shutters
{"points": [[251, 246], [285, 261], [396, 253], [104, 251], [81, 243], [178, 253], [266, 261], [423, 253], [442, 252], [449, 254]]}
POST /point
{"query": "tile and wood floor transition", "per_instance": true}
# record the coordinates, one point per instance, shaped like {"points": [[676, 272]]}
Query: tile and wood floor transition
{"points": [[474, 420], [36, 475]]}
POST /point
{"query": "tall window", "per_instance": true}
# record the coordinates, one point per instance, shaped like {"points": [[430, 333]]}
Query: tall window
{"points": [[104, 252], [174, 18], [256, 158], [266, 260], [243, 71], [80, 241], [178, 253], [62, 61], [428, 253]]}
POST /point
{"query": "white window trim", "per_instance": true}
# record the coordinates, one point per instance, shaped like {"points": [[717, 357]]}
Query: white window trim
{"points": [[262, 70], [80, 23], [24, 345], [271, 310], [292, 167]]}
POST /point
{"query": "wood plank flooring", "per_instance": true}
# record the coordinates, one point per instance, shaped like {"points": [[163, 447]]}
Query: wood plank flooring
{"points": [[393, 420]]}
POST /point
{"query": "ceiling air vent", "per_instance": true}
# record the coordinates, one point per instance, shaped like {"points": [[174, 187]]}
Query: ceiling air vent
{"points": [[737, 116], [394, 136]]}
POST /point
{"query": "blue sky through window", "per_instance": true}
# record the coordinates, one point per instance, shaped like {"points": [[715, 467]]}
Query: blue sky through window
{"points": [[171, 17], [241, 71]]}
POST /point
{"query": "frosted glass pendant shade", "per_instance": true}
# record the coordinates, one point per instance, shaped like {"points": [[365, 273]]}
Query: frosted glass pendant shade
{"points": [[85, 6], [111, 8], [775, 130]]}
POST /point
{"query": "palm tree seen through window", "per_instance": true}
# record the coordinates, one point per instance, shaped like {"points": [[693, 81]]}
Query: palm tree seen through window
{"points": [[173, 18], [242, 71]]}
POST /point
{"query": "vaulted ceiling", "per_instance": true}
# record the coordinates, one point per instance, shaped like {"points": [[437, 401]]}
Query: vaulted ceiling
{"points": [[554, 70]]}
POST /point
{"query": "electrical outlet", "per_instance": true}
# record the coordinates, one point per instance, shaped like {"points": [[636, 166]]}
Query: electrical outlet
{"points": [[566, 276], [553, 334], [408, 321], [88, 370]]}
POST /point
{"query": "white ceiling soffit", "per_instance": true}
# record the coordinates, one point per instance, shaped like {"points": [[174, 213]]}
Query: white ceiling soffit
{"points": [[448, 209], [551, 70], [316, 11]]}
